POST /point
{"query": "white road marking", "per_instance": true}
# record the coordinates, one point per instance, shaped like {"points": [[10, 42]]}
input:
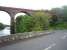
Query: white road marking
{"points": [[63, 37], [50, 46]]}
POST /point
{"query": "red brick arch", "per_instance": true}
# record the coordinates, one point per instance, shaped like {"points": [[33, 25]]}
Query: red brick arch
{"points": [[12, 12]]}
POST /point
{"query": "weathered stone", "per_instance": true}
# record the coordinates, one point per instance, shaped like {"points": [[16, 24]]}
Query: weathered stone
{"points": [[0, 41], [13, 38], [20, 37], [16, 36], [27, 36], [30, 35], [5, 40]]}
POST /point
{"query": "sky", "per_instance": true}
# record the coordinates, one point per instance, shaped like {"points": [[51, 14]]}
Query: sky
{"points": [[28, 4]]}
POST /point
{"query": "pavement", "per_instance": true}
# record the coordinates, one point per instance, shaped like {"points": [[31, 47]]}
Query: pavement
{"points": [[55, 41]]}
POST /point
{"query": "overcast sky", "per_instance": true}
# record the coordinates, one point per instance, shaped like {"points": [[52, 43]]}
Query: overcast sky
{"points": [[29, 4]]}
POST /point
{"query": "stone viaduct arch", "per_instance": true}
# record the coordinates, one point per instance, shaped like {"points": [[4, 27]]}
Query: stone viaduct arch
{"points": [[12, 12]]}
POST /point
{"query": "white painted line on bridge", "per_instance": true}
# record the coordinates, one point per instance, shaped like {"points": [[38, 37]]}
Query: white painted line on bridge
{"points": [[50, 46], [64, 37]]}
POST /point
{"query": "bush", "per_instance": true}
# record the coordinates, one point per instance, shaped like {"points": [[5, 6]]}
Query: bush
{"points": [[23, 23], [41, 21]]}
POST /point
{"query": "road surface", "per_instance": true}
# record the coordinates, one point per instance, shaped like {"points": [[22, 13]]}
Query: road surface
{"points": [[55, 41]]}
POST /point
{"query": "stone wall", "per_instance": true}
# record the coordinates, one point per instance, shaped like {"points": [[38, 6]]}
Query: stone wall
{"points": [[20, 36]]}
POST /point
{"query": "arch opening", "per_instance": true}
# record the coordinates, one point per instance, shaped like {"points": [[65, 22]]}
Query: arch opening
{"points": [[20, 22], [18, 14], [5, 20]]}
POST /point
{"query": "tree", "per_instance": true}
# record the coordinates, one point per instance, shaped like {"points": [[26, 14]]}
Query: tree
{"points": [[41, 20], [24, 23], [61, 13], [65, 13], [54, 20], [2, 26]]}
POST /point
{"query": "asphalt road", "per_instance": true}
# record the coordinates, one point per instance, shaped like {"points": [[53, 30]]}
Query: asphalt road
{"points": [[55, 41]]}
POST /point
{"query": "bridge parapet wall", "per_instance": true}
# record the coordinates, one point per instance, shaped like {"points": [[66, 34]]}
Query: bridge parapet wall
{"points": [[20, 36]]}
